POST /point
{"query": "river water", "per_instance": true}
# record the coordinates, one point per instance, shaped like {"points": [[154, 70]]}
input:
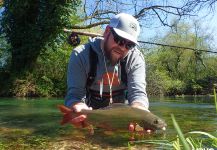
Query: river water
{"points": [[22, 118]]}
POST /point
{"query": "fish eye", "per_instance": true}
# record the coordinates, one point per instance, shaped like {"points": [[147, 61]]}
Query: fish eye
{"points": [[156, 121]]}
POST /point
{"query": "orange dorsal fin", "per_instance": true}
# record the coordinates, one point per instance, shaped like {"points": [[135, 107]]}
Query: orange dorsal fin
{"points": [[66, 118], [64, 109], [67, 114]]}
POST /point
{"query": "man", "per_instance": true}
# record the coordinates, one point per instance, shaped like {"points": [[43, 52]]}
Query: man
{"points": [[117, 45]]}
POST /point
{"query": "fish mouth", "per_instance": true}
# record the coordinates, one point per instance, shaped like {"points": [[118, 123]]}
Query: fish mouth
{"points": [[159, 124], [162, 127], [156, 128]]}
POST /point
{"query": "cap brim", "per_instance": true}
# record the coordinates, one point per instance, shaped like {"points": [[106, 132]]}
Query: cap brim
{"points": [[126, 35]]}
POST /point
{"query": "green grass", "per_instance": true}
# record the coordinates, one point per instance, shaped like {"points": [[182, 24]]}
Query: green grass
{"points": [[188, 141], [180, 134], [193, 140]]}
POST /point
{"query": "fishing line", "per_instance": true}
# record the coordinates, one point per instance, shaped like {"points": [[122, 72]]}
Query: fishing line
{"points": [[144, 42]]}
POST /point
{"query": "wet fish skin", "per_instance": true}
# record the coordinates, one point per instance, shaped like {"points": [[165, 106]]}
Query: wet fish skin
{"points": [[117, 117]]}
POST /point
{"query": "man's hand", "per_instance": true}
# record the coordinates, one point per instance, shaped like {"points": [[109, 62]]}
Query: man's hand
{"points": [[79, 121], [139, 106]]}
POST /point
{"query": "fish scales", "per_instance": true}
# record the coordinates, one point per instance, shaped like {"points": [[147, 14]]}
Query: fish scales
{"points": [[118, 116]]}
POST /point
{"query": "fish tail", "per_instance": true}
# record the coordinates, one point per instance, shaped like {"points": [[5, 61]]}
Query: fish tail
{"points": [[67, 114], [64, 109]]}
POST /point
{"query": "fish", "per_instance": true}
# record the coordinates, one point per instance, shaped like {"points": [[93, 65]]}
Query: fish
{"points": [[117, 116]]}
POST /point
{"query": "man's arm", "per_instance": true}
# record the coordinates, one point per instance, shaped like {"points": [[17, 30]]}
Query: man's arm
{"points": [[76, 86], [137, 95], [76, 80]]}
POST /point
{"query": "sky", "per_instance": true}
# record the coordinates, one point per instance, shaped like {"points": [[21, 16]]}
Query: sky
{"points": [[208, 24], [211, 22]]}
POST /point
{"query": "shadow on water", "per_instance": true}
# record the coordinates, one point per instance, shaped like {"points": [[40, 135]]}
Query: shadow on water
{"points": [[26, 119]]}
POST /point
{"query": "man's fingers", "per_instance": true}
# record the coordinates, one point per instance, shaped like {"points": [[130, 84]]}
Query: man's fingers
{"points": [[77, 110], [81, 106], [78, 119]]}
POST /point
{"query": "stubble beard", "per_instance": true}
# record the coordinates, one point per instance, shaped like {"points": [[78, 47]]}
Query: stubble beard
{"points": [[110, 56]]}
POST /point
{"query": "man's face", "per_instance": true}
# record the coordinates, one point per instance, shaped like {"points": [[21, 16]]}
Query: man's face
{"points": [[116, 47]]}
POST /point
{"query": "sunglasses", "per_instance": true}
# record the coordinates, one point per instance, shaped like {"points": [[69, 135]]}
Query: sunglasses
{"points": [[121, 41]]}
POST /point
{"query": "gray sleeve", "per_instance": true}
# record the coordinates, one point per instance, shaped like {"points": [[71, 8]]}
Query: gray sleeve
{"points": [[137, 80], [76, 79]]}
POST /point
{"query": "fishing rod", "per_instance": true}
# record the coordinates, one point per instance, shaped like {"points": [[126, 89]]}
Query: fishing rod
{"points": [[75, 40]]}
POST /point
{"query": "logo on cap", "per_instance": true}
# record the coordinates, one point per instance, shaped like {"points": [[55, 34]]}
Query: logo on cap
{"points": [[133, 26]]}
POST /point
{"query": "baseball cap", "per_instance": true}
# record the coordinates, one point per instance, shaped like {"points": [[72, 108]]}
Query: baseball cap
{"points": [[126, 26]]}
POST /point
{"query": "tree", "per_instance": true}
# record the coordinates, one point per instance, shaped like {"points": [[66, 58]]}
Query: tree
{"points": [[179, 70], [98, 12], [31, 26]]}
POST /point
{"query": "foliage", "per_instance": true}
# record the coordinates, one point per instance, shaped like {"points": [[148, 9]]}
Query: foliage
{"points": [[158, 79], [4, 54], [35, 56], [32, 31], [51, 72], [48, 78], [180, 134], [204, 140], [215, 98], [175, 71], [190, 140], [31, 27]]}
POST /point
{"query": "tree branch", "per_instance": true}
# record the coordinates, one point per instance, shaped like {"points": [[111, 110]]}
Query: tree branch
{"points": [[101, 11], [90, 25]]}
